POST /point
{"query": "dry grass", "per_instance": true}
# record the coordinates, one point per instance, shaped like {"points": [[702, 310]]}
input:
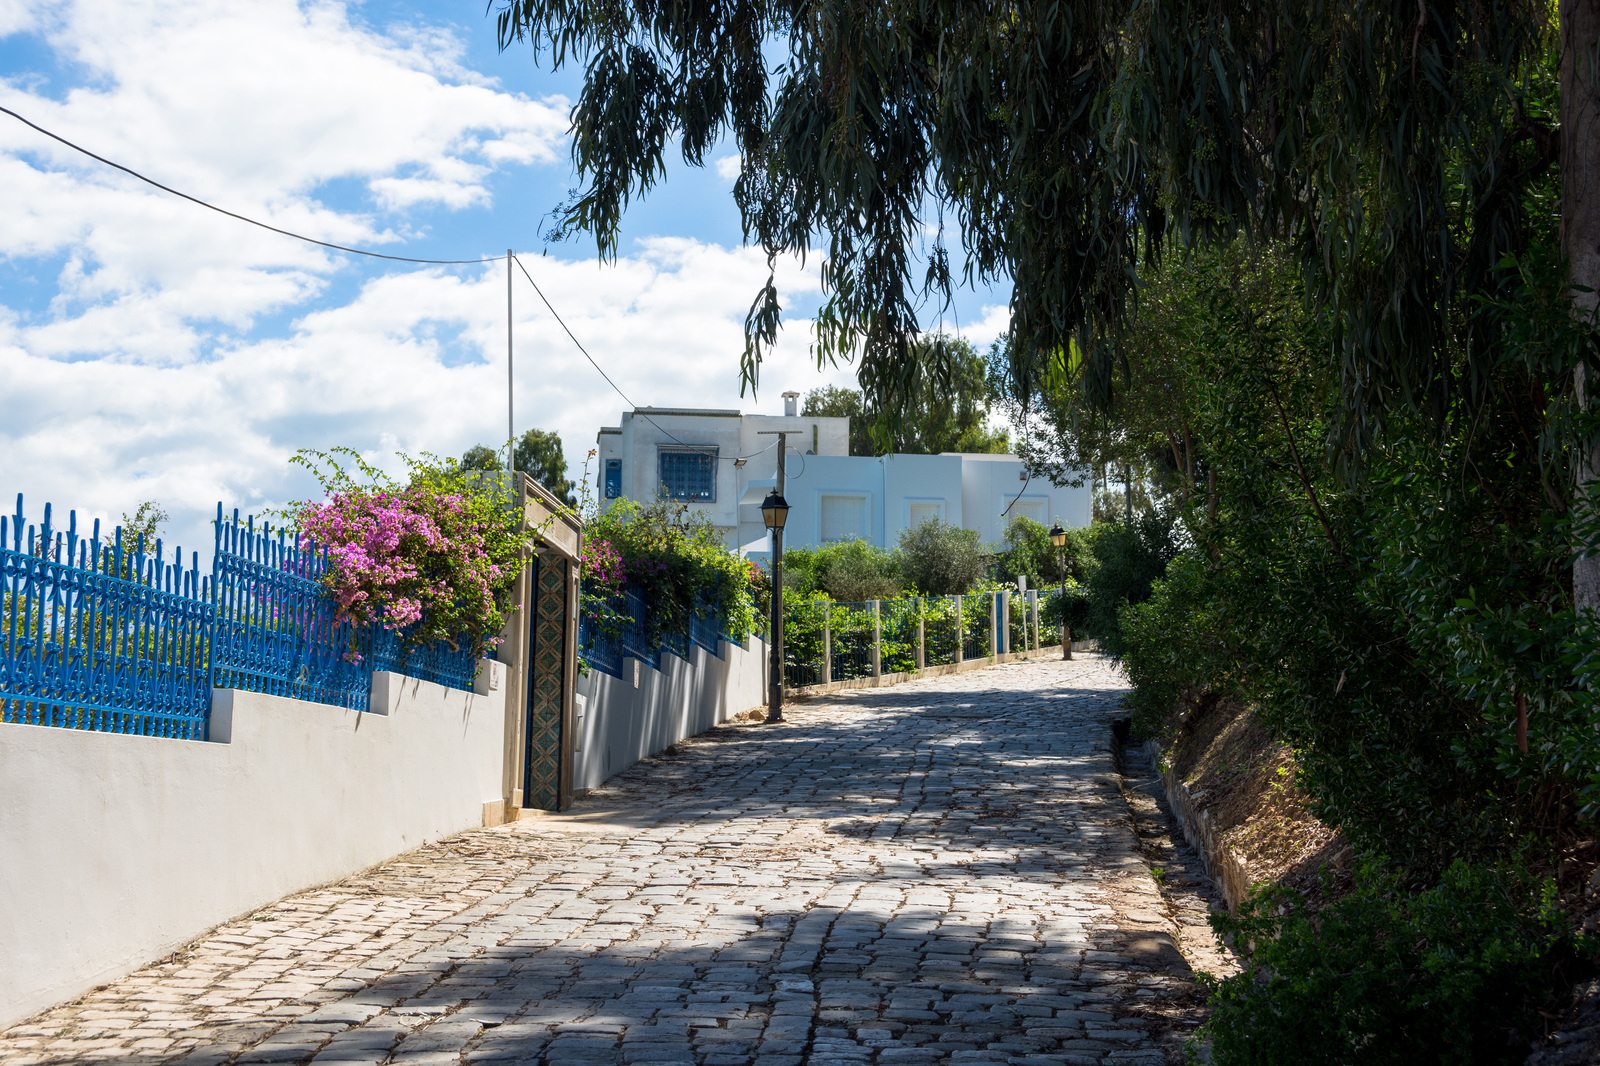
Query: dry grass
{"points": [[1245, 780]]}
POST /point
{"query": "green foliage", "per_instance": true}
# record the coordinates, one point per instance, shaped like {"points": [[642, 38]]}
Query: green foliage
{"points": [[1029, 553], [1070, 605], [482, 458], [941, 560], [1129, 559], [832, 401], [945, 410], [538, 454], [849, 571], [674, 556], [1072, 147], [1172, 649], [1454, 974], [146, 521]]}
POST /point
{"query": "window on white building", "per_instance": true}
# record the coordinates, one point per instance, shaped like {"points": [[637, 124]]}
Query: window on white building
{"points": [[688, 473], [918, 512], [1030, 507], [613, 478], [843, 518]]}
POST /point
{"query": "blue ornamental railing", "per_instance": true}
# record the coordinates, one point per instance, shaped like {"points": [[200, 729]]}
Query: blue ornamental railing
{"points": [[107, 635], [605, 652], [101, 635]]}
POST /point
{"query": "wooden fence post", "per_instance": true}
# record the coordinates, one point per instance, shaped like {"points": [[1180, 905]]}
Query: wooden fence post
{"points": [[877, 639], [994, 625], [961, 632], [827, 643]]}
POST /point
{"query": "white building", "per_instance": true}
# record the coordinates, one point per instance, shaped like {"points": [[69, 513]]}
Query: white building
{"points": [[724, 463]]}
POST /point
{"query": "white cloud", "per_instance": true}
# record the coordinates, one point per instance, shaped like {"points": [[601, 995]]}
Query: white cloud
{"points": [[996, 319], [152, 370], [255, 106], [728, 167], [415, 362]]}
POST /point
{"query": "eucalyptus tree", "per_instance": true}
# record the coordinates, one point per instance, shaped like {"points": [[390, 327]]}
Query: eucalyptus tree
{"points": [[946, 411], [1393, 146]]}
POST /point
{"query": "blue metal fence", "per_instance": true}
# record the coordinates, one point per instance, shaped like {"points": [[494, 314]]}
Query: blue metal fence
{"points": [[107, 635], [275, 629], [98, 635], [605, 653]]}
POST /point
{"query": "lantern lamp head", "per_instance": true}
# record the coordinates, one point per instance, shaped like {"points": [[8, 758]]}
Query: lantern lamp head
{"points": [[774, 510], [1058, 536]]}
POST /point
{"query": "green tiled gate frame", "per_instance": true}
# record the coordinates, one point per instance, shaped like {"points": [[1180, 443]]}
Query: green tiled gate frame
{"points": [[541, 779]]}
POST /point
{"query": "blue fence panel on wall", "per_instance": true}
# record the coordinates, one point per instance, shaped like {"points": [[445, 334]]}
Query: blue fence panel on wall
{"points": [[437, 662], [100, 636], [707, 633], [105, 635], [275, 624], [599, 651], [635, 634]]}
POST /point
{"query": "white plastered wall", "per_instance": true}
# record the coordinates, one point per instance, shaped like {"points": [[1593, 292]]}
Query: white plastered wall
{"points": [[621, 724], [115, 850]]}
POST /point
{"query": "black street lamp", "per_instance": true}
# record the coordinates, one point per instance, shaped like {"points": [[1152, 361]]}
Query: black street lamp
{"points": [[1058, 537], [775, 512]]}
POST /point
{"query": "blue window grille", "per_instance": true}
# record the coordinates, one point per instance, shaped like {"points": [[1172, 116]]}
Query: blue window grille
{"points": [[689, 474], [613, 486]]}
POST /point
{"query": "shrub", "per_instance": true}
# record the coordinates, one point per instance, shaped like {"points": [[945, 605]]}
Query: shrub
{"points": [[1129, 559], [1454, 974], [676, 559], [1172, 646], [434, 557], [850, 571], [941, 560], [1029, 553], [1074, 601]]}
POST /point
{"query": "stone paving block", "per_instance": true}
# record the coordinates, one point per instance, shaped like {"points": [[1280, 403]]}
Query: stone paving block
{"points": [[944, 871]]}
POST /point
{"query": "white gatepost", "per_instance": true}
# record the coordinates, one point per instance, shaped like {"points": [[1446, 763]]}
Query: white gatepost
{"points": [[922, 633]]}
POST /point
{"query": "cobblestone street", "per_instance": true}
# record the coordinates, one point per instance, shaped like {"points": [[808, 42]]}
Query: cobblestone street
{"points": [[945, 871]]}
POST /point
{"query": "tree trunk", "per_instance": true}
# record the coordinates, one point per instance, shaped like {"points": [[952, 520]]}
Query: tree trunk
{"points": [[1580, 226]]}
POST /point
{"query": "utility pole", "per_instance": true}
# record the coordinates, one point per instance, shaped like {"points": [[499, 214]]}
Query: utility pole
{"points": [[511, 422]]}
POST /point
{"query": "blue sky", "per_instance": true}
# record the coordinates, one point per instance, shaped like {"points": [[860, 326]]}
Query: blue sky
{"points": [[153, 350]]}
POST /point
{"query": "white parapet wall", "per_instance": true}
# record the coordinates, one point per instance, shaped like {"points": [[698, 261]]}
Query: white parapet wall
{"points": [[115, 850], [621, 723]]}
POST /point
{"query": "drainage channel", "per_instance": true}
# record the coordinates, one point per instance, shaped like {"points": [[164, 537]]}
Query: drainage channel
{"points": [[1188, 892]]}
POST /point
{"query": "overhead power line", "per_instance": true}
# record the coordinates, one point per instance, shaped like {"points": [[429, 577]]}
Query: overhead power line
{"points": [[625, 398], [362, 251], [234, 214]]}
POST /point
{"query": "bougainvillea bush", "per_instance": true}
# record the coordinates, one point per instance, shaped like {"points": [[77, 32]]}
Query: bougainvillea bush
{"points": [[433, 556]]}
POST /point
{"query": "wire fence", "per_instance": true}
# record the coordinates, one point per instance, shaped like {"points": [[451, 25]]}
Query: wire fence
{"points": [[826, 641], [1017, 624], [106, 634]]}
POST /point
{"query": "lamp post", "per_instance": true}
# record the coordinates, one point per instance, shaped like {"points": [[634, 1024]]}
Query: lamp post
{"points": [[1058, 537], [774, 512]]}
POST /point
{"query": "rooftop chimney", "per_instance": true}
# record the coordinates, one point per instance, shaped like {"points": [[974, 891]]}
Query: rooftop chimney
{"points": [[791, 403]]}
